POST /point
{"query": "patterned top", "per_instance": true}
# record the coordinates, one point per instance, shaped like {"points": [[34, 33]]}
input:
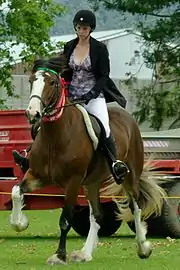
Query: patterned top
{"points": [[83, 79]]}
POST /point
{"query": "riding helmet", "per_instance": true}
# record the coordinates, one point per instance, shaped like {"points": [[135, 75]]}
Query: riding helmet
{"points": [[85, 17]]}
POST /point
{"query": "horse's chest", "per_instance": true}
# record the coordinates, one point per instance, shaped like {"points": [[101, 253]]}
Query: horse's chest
{"points": [[55, 165]]}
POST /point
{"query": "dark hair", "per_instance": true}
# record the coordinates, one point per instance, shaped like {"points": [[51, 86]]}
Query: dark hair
{"points": [[57, 64]]}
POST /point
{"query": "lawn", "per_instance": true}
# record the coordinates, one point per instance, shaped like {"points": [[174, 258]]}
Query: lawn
{"points": [[30, 249]]}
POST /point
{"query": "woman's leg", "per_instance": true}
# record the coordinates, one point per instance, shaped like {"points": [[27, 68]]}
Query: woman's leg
{"points": [[98, 108]]}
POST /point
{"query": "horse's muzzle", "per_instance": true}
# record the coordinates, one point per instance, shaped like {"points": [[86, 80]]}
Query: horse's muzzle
{"points": [[32, 118]]}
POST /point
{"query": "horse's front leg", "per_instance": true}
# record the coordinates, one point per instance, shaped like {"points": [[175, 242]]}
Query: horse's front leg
{"points": [[85, 254], [65, 222], [65, 225], [18, 220]]}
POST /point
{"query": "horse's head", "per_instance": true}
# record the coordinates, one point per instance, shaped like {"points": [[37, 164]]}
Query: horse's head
{"points": [[47, 91]]}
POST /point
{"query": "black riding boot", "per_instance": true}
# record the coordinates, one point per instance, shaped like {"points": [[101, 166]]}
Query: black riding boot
{"points": [[21, 160], [118, 168]]}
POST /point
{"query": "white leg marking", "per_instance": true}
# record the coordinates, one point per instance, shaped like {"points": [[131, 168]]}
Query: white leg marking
{"points": [[18, 220], [144, 247], [91, 242]]}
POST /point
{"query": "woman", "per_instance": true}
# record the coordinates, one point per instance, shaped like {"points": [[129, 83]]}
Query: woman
{"points": [[88, 75]]}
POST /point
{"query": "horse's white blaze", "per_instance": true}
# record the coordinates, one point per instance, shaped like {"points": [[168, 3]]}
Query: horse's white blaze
{"points": [[37, 89]]}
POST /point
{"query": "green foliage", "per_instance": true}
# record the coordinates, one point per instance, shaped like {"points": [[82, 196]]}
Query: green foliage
{"points": [[26, 22], [162, 53], [106, 19], [155, 103]]}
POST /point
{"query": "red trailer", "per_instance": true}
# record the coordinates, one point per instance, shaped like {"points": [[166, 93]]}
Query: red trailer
{"points": [[15, 134]]}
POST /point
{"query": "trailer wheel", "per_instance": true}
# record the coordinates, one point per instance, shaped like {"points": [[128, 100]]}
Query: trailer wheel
{"points": [[155, 227], [109, 223], [171, 211], [168, 224]]}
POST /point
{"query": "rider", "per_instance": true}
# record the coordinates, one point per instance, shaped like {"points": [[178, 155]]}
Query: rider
{"points": [[88, 74]]}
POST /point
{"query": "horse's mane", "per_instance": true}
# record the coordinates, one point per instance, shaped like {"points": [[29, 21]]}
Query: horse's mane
{"points": [[58, 63]]}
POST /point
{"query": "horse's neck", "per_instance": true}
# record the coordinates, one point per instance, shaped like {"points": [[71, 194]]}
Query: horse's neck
{"points": [[63, 129]]}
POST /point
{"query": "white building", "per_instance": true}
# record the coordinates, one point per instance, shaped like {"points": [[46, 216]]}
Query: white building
{"points": [[122, 45]]}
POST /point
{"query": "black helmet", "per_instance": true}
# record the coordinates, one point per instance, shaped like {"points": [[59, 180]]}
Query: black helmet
{"points": [[86, 17]]}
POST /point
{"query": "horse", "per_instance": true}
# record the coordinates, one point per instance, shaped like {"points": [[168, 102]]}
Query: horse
{"points": [[65, 154]]}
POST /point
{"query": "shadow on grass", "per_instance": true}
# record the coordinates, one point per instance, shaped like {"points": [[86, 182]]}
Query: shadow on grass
{"points": [[56, 237]]}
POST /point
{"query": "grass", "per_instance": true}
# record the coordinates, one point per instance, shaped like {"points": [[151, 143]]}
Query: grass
{"points": [[30, 249]]}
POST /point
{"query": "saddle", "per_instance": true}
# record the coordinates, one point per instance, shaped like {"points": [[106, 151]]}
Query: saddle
{"points": [[94, 127]]}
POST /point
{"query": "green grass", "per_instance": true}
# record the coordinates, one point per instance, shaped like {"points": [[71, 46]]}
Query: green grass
{"points": [[30, 249]]}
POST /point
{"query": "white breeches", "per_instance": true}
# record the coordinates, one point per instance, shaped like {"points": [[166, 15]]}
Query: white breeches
{"points": [[98, 108]]}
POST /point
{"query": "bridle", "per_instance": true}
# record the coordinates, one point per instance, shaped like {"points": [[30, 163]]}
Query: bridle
{"points": [[53, 111], [55, 93]]}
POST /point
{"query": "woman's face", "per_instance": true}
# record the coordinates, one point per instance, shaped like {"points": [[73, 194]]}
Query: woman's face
{"points": [[83, 31]]}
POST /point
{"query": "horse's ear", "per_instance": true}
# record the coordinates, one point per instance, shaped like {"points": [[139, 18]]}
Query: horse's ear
{"points": [[38, 63], [58, 63]]}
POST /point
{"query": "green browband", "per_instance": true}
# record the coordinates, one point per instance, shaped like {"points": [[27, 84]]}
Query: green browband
{"points": [[48, 69]]}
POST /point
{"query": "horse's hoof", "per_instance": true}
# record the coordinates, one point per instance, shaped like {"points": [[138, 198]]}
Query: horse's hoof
{"points": [[80, 256], [144, 250], [19, 225], [54, 260]]}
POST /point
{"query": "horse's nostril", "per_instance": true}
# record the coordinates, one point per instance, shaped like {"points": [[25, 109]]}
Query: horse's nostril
{"points": [[27, 113], [38, 115]]}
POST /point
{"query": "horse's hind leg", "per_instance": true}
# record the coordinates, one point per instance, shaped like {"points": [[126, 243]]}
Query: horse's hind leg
{"points": [[132, 187], [18, 220], [85, 254], [144, 248]]}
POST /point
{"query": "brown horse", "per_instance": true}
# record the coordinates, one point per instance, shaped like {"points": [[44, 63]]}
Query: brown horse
{"points": [[63, 154]]}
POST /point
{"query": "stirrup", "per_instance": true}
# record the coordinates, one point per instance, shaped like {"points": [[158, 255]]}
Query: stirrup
{"points": [[120, 169], [24, 152], [18, 157], [21, 160]]}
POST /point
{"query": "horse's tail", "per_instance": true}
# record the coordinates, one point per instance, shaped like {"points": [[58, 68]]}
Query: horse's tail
{"points": [[151, 198], [152, 195]]}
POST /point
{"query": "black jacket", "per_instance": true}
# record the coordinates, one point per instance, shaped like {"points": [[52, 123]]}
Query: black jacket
{"points": [[101, 67]]}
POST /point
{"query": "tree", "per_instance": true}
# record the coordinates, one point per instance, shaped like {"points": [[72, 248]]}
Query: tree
{"points": [[26, 23], [162, 42]]}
